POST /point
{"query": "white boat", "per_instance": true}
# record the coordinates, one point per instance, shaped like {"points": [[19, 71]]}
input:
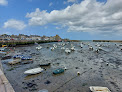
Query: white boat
{"points": [[62, 48], [72, 48], [39, 47], [81, 45], [3, 49], [55, 46], [52, 48], [34, 71], [99, 48], [67, 50], [91, 48], [99, 89], [13, 62]]}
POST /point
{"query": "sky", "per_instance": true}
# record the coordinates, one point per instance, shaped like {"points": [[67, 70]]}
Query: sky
{"points": [[73, 19]]}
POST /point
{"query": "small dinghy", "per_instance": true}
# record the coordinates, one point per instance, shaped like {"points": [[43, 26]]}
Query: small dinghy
{"points": [[18, 56], [14, 62], [26, 58], [27, 62], [67, 50], [58, 71], [72, 48], [34, 71], [99, 89], [6, 57], [46, 64], [39, 47]]}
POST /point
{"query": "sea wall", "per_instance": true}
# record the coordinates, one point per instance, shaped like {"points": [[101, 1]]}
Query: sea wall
{"points": [[107, 40], [23, 42]]}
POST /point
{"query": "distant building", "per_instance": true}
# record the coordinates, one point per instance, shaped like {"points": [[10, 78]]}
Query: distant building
{"points": [[5, 37], [57, 38]]}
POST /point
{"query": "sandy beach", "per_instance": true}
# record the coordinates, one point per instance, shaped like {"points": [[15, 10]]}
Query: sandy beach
{"points": [[96, 69]]}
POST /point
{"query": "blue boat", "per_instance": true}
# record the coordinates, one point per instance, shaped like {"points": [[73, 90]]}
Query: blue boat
{"points": [[58, 71], [18, 56], [26, 58]]}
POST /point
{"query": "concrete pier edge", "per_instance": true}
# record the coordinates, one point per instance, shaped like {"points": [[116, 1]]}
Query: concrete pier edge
{"points": [[5, 86]]}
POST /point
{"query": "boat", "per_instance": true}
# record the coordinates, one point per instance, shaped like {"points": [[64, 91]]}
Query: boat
{"points": [[14, 62], [91, 48], [34, 71], [81, 45], [6, 57], [4, 45], [46, 64], [17, 56], [62, 48], [26, 58], [58, 71], [72, 48], [3, 49], [99, 89], [39, 47], [1, 52], [27, 62], [52, 48], [67, 50]]}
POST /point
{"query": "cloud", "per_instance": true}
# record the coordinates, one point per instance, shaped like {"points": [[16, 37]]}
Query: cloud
{"points": [[50, 4], [88, 16], [16, 24], [71, 1], [3, 2]]}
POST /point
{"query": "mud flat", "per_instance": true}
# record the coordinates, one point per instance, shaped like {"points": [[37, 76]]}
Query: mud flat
{"points": [[97, 69]]}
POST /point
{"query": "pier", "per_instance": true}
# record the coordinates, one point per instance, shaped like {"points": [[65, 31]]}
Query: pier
{"points": [[5, 86]]}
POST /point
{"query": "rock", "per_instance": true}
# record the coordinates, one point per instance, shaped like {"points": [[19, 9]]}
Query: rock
{"points": [[47, 82], [76, 67], [31, 85]]}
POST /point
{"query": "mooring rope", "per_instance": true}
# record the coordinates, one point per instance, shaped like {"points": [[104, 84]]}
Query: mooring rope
{"points": [[70, 80]]}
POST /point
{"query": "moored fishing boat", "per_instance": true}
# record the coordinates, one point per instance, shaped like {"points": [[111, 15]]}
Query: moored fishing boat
{"points": [[67, 50], [6, 57], [58, 71], [14, 62], [73, 48], [26, 58], [39, 47], [46, 64], [99, 89], [34, 71], [17, 56]]}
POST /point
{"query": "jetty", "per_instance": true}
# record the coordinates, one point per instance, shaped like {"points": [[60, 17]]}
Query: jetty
{"points": [[5, 86], [107, 40]]}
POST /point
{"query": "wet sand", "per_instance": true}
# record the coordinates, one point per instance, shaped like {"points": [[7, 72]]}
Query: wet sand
{"points": [[92, 66]]}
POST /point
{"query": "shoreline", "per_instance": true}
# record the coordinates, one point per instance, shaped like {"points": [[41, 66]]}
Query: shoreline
{"points": [[22, 43], [5, 85], [107, 40]]}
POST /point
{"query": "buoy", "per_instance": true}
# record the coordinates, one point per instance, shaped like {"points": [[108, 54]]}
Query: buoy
{"points": [[107, 64], [65, 68], [78, 73]]}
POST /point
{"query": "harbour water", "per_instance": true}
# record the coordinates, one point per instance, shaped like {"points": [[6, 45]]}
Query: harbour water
{"points": [[103, 68]]}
